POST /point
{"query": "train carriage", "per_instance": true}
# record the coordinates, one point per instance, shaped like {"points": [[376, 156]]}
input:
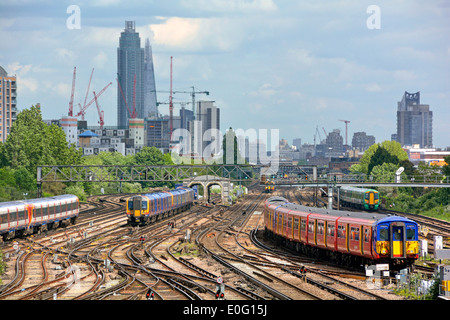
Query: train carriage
{"points": [[362, 198], [146, 208], [346, 237], [20, 218]]}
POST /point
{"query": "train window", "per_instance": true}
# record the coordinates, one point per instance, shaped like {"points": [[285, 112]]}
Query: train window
{"points": [[366, 235], [3, 218], [331, 228], [311, 226], [303, 225], [295, 223], [320, 227], [398, 235], [341, 231], [410, 233], [57, 208], [21, 215], [289, 222], [354, 233], [13, 216], [384, 234], [144, 205]]}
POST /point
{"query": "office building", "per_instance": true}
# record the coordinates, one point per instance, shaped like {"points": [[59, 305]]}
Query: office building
{"points": [[362, 141], [335, 144], [207, 119], [414, 121], [130, 70], [8, 103], [157, 129], [150, 103]]}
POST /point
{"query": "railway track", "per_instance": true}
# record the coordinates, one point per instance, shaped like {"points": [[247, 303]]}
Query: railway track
{"points": [[101, 258]]}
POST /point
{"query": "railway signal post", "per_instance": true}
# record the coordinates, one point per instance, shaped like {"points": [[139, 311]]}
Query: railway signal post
{"points": [[220, 289]]}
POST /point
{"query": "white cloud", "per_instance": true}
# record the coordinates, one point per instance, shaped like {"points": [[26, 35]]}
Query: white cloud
{"points": [[232, 5], [372, 87], [25, 82], [197, 34], [100, 60], [65, 55]]}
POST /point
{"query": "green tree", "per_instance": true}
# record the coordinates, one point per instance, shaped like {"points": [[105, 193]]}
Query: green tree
{"points": [[227, 147], [392, 152], [32, 143], [446, 168], [151, 156]]}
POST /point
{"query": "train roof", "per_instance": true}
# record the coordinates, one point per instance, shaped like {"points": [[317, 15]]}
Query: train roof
{"points": [[282, 202], [38, 200], [350, 188]]}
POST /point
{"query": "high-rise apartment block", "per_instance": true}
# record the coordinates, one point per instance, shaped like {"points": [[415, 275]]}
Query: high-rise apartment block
{"points": [[414, 121], [8, 103], [362, 141], [207, 119]]}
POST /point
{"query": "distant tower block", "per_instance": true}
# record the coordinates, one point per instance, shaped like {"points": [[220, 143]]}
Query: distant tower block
{"points": [[137, 132]]}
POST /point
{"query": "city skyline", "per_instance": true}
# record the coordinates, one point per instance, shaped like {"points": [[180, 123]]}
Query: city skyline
{"points": [[267, 64]]}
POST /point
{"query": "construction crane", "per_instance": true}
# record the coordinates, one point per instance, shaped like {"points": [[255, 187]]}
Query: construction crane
{"points": [[324, 132], [132, 114], [84, 108], [320, 139], [87, 91], [192, 93], [170, 101], [346, 128], [73, 91], [101, 114]]}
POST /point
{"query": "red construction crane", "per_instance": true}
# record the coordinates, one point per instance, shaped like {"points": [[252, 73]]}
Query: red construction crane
{"points": [[87, 91], [170, 100], [133, 113], [83, 109], [73, 91], [346, 128], [101, 114]]}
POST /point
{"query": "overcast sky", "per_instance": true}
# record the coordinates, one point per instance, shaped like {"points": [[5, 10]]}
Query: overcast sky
{"points": [[289, 65]]}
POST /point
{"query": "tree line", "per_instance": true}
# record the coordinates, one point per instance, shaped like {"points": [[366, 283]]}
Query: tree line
{"points": [[382, 160], [32, 143]]}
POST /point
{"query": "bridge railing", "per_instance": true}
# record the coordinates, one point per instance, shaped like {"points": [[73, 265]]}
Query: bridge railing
{"points": [[364, 179]]}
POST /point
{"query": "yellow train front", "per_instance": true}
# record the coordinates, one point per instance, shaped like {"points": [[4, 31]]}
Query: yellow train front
{"points": [[269, 187], [147, 208]]}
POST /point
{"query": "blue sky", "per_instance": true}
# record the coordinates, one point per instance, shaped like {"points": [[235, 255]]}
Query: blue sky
{"points": [[288, 65]]}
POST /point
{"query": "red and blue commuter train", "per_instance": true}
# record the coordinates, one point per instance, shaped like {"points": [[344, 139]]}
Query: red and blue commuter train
{"points": [[348, 238], [146, 208], [24, 217]]}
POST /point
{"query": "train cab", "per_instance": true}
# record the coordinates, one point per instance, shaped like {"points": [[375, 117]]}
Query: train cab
{"points": [[137, 206], [397, 238]]}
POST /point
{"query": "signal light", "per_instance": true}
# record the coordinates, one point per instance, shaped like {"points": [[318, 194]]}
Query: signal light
{"points": [[150, 294]]}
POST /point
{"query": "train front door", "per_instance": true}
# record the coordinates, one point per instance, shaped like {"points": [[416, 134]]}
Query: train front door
{"points": [[398, 241]]}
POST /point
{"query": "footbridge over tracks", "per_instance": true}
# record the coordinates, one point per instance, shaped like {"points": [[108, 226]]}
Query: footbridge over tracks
{"points": [[207, 181]]}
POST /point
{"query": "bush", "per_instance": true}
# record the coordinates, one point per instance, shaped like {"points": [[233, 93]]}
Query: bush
{"points": [[77, 190]]}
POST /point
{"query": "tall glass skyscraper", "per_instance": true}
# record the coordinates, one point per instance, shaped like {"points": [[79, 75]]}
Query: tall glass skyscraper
{"points": [[414, 121], [150, 104], [130, 66]]}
